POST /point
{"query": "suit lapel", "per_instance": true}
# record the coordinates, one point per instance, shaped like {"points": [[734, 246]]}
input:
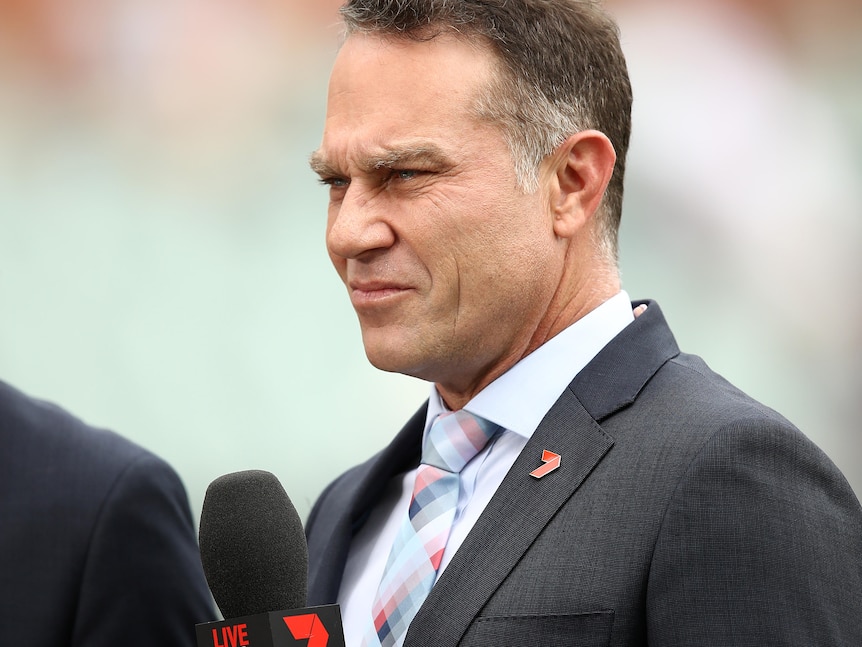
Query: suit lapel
{"points": [[523, 505], [327, 557]]}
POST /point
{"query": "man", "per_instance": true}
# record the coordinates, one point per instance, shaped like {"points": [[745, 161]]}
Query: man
{"points": [[617, 492], [97, 547]]}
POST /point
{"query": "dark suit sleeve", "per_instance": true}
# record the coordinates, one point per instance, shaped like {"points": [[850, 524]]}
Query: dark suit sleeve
{"points": [[760, 545], [143, 583]]}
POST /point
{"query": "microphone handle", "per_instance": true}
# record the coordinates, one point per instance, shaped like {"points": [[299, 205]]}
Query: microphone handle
{"points": [[310, 627]]}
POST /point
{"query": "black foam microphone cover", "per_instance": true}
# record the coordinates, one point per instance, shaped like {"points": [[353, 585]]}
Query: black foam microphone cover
{"points": [[253, 547]]}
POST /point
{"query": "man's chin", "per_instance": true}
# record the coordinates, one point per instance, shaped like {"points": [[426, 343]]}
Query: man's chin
{"points": [[394, 359], [389, 363]]}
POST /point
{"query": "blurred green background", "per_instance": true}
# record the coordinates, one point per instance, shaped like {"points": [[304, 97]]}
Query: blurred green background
{"points": [[162, 263]]}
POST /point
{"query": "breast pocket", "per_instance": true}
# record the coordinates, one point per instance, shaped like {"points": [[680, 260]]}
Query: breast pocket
{"points": [[567, 629]]}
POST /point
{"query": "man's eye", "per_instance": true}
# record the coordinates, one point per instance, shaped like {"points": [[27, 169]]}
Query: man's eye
{"points": [[405, 174], [335, 182]]}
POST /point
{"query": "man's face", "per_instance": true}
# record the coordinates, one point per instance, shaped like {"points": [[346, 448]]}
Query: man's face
{"points": [[449, 265]]}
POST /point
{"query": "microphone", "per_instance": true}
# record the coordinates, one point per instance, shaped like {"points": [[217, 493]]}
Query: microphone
{"points": [[255, 560]]}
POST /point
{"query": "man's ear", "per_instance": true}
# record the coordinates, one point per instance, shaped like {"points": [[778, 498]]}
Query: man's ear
{"points": [[582, 167]]}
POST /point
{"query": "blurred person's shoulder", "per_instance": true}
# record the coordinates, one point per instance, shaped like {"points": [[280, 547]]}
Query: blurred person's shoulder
{"points": [[42, 440]]}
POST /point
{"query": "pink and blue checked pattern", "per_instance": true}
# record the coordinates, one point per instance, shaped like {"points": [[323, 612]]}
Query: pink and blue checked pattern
{"points": [[453, 440]]}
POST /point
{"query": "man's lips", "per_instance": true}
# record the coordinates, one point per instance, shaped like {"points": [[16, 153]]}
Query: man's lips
{"points": [[369, 293]]}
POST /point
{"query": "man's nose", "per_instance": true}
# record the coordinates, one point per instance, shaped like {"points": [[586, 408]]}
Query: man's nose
{"points": [[358, 224]]}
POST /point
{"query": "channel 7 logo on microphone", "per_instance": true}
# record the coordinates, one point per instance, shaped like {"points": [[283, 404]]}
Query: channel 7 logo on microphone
{"points": [[312, 627]]}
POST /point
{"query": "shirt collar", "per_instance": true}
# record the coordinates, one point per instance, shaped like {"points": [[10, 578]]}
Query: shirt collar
{"points": [[519, 399]]}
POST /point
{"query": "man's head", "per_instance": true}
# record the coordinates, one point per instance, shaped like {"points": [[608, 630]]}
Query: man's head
{"points": [[559, 70], [459, 259]]}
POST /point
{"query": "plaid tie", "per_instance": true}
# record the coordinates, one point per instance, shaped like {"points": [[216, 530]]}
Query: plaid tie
{"points": [[454, 439]]}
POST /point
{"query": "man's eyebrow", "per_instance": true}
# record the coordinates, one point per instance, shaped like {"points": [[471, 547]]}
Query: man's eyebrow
{"points": [[320, 166], [400, 155], [428, 154]]}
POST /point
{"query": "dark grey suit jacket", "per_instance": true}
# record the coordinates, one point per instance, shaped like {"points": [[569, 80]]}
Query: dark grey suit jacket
{"points": [[684, 513], [97, 546]]}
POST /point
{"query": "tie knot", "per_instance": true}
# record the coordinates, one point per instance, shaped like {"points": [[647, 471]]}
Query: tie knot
{"points": [[455, 438]]}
